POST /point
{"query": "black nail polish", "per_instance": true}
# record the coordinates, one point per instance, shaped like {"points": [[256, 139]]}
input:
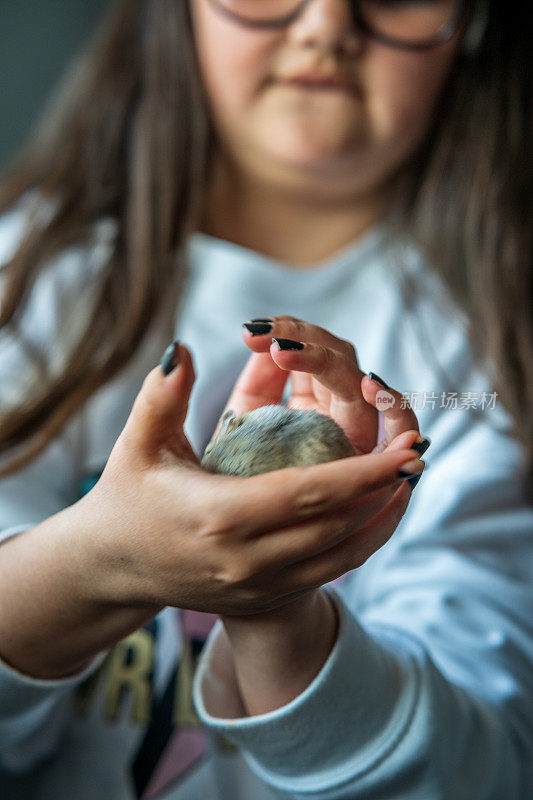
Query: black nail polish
{"points": [[261, 319], [421, 447], [412, 478], [258, 328], [413, 481], [170, 358], [289, 344], [374, 377]]}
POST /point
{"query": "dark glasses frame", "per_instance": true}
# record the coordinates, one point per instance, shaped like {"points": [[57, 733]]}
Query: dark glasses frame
{"points": [[463, 10]]}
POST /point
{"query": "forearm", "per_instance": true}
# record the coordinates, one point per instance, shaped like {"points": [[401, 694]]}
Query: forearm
{"points": [[277, 655], [382, 720], [56, 615]]}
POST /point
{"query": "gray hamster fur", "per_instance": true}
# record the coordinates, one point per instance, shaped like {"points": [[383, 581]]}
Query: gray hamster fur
{"points": [[273, 437]]}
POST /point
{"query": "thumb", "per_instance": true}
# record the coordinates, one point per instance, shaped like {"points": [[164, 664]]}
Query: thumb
{"points": [[160, 408]]}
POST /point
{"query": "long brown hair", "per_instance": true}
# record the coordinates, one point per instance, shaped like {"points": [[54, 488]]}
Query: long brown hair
{"points": [[129, 137], [466, 198]]}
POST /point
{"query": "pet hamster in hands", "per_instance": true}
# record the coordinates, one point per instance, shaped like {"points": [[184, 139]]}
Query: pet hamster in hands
{"points": [[273, 437]]}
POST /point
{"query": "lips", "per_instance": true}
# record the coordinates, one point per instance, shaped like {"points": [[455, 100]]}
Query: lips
{"points": [[320, 81]]}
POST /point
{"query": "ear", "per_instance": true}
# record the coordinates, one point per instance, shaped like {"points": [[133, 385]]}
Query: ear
{"points": [[224, 424], [227, 421]]}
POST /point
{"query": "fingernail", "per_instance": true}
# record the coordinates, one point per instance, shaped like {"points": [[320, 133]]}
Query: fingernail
{"points": [[412, 472], [421, 445], [412, 467], [258, 328], [374, 377], [413, 481], [288, 344], [170, 358]]}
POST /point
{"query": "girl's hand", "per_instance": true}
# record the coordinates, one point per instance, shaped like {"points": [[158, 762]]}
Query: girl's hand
{"points": [[325, 376], [162, 531], [277, 653]]}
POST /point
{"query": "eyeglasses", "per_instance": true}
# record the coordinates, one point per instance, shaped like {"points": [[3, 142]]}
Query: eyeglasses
{"points": [[404, 24]]}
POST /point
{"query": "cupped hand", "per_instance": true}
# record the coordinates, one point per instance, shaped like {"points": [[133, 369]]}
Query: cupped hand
{"points": [[165, 532], [325, 376]]}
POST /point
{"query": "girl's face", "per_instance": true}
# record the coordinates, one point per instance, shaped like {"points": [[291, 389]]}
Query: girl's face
{"points": [[343, 141]]}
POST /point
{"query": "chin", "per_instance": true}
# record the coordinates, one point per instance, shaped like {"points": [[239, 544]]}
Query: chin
{"points": [[306, 140], [309, 154]]}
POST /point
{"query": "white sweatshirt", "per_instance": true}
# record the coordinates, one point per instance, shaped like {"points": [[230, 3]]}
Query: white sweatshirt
{"points": [[428, 691]]}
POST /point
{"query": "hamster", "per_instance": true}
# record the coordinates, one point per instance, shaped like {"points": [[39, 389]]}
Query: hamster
{"points": [[273, 437]]}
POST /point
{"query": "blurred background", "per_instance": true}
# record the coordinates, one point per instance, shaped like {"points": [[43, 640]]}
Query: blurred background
{"points": [[38, 38]]}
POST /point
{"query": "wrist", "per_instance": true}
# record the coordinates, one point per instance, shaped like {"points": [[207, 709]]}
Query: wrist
{"points": [[277, 618], [304, 621], [101, 564], [277, 655]]}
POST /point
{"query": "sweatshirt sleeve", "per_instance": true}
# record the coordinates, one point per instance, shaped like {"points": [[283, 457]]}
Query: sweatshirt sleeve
{"points": [[32, 711], [428, 690]]}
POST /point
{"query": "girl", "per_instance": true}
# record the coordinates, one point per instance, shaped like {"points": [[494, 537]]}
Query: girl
{"points": [[307, 168]]}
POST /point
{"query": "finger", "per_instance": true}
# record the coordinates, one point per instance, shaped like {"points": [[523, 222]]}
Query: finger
{"points": [[398, 414], [251, 506], [293, 543], [330, 367], [352, 552], [340, 376], [303, 390], [407, 439], [257, 336], [261, 383], [161, 406], [358, 421]]}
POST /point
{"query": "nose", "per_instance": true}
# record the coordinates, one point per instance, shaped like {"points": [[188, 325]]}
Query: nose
{"points": [[328, 24]]}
